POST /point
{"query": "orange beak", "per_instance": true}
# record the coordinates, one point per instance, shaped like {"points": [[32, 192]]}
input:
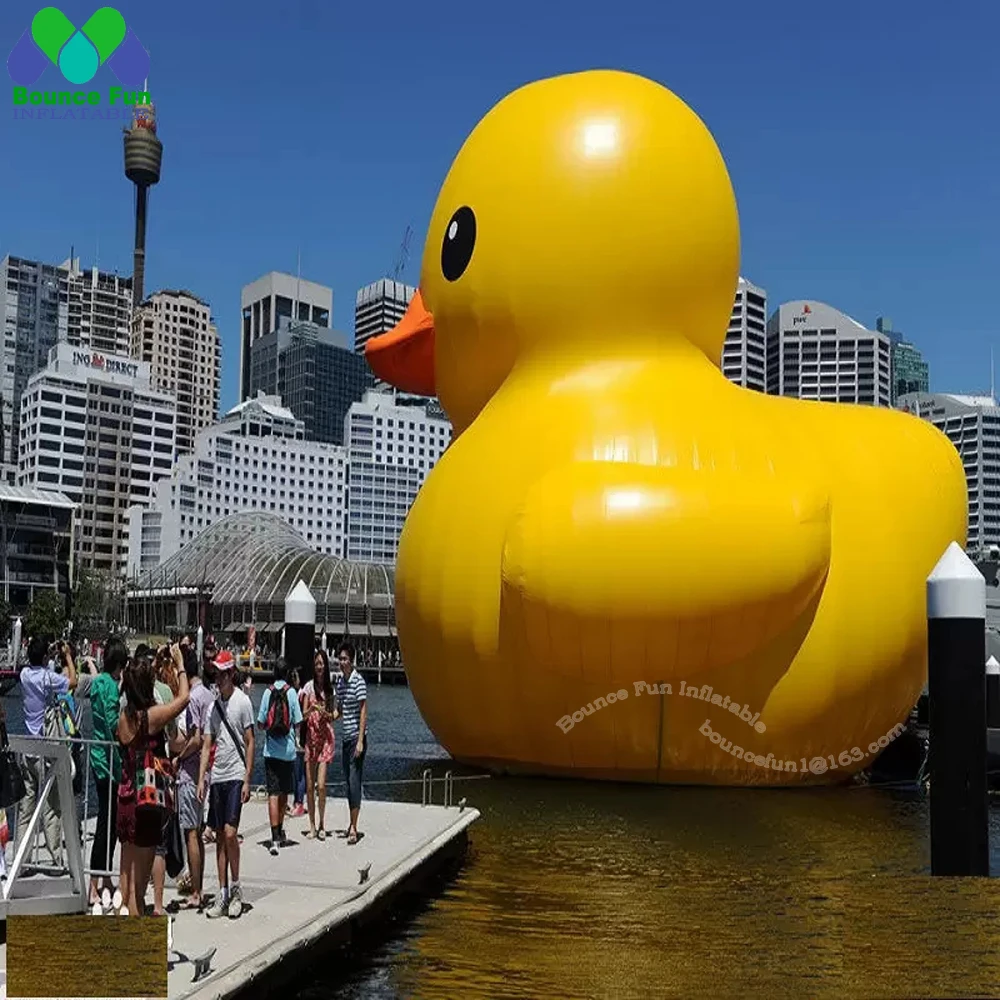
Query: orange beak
{"points": [[404, 357]]}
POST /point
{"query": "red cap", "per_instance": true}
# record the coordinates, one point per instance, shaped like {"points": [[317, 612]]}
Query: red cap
{"points": [[225, 661]]}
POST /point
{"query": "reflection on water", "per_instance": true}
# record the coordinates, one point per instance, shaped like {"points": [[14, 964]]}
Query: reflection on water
{"points": [[577, 890]]}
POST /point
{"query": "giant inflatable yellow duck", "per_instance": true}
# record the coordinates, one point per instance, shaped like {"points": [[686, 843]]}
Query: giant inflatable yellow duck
{"points": [[624, 566]]}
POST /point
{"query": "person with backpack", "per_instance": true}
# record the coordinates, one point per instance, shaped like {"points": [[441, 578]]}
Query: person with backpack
{"points": [[279, 716], [319, 709], [41, 689]]}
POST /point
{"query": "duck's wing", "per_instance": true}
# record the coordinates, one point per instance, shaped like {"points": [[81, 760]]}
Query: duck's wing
{"points": [[699, 568]]}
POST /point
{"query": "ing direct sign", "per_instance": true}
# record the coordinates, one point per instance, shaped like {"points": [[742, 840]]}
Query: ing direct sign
{"points": [[110, 366]]}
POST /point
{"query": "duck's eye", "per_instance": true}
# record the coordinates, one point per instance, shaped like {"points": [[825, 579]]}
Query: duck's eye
{"points": [[459, 242]]}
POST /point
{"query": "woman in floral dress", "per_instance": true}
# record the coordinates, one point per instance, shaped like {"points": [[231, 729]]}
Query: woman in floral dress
{"points": [[319, 709]]}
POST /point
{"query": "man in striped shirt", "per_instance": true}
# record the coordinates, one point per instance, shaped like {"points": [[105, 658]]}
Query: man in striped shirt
{"points": [[352, 701]]}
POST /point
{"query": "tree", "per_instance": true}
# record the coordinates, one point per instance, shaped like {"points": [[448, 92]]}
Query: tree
{"points": [[92, 599], [46, 615]]}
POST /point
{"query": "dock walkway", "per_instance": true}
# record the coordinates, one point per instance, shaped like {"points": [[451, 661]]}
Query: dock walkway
{"points": [[310, 890]]}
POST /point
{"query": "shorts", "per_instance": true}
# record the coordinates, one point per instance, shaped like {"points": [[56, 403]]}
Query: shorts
{"points": [[190, 812], [225, 804], [279, 775]]}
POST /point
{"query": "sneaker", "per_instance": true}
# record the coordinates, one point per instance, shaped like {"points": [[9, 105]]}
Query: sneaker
{"points": [[299, 810], [272, 846], [217, 909], [235, 903]]}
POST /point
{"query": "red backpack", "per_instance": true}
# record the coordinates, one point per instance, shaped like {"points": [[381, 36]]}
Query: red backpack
{"points": [[279, 714]]}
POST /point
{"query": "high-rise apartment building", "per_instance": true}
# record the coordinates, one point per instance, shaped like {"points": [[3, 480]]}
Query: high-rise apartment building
{"points": [[314, 372], [104, 320], [910, 372], [390, 451], [174, 334], [744, 355], [972, 424], [265, 301], [256, 458], [42, 305], [378, 307], [816, 352], [93, 427]]}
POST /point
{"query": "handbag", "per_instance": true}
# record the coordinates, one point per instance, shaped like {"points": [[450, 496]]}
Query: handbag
{"points": [[154, 777], [175, 846], [154, 782], [12, 785]]}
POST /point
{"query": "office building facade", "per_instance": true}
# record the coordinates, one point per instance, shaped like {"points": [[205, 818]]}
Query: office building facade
{"points": [[817, 352], [378, 307], [744, 355], [255, 458], [315, 373], [36, 544], [93, 428], [174, 334], [265, 301], [910, 372], [972, 424], [390, 451]]}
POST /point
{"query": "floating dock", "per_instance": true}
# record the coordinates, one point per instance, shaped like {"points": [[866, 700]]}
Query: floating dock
{"points": [[312, 890]]}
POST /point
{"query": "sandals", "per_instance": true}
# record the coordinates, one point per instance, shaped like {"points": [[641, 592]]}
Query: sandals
{"points": [[352, 837], [321, 834], [309, 834]]}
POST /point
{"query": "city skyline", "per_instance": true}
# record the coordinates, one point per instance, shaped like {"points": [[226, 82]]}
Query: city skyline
{"points": [[844, 180]]}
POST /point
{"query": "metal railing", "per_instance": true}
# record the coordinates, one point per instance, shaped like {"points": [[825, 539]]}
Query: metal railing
{"points": [[52, 763]]}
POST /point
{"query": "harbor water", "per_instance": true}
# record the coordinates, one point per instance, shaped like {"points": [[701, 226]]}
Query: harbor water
{"points": [[588, 890]]}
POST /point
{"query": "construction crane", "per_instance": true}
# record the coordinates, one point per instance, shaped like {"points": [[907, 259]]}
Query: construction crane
{"points": [[404, 255]]}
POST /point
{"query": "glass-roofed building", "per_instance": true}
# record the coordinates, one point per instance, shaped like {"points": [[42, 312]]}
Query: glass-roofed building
{"points": [[237, 574]]}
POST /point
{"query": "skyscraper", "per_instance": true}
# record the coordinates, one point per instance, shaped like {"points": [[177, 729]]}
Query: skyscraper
{"points": [[44, 304], [816, 352], [173, 332], [744, 353], [35, 317], [378, 308], [972, 424], [263, 302], [910, 372], [314, 372]]}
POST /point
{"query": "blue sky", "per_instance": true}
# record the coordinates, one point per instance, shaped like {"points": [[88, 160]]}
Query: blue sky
{"points": [[862, 139]]}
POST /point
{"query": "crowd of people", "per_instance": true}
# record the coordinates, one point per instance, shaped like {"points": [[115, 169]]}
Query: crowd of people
{"points": [[171, 745]]}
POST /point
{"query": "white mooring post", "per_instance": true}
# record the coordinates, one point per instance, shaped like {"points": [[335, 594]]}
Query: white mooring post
{"points": [[300, 629], [956, 682]]}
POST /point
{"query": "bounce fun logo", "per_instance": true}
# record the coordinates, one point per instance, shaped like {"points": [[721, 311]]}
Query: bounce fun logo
{"points": [[78, 53]]}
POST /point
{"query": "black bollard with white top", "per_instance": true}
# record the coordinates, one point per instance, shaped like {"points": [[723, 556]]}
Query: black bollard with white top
{"points": [[300, 630], [956, 682], [992, 693]]}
